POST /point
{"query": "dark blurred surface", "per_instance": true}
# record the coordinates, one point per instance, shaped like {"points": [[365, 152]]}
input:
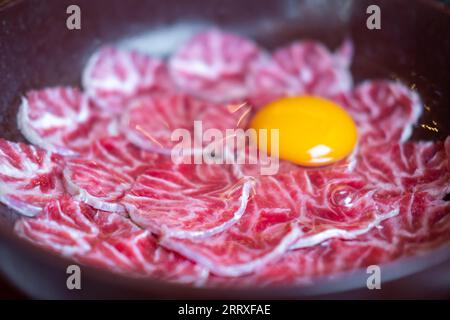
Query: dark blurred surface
{"points": [[8, 291]]}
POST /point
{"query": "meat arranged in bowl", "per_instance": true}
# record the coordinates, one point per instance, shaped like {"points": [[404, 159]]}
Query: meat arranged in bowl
{"points": [[99, 182]]}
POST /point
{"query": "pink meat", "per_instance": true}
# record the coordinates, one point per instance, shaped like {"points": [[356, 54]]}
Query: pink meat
{"points": [[112, 76], [29, 177], [60, 227], [187, 200], [224, 116], [236, 252], [408, 167], [307, 265], [422, 225], [60, 119], [287, 211], [213, 65], [96, 184], [150, 121], [220, 130], [118, 153], [384, 111], [298, 69], [105, 240]]}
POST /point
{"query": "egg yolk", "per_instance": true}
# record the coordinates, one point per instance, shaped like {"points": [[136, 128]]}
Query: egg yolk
{"points": [[312, 131]]}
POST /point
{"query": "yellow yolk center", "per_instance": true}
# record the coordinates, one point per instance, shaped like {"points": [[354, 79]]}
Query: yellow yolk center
{"points": [[312, 131]]}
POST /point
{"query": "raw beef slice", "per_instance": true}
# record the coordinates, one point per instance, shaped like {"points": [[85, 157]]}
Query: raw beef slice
{"points": [[118, 153], [384, 111], [422, 224], [407, 167], [29, 177], [213, 65], [187, 200], [301, 68], [106, 240], [287, 211], [96, 184], [149, 121], [112, 76], [59, 119]]}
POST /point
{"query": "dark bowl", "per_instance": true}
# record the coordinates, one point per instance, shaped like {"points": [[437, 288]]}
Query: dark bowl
{"points": [[37, 50]]}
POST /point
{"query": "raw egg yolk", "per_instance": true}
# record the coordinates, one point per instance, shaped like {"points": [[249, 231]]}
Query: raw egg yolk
{"points": [[312, 131]]}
